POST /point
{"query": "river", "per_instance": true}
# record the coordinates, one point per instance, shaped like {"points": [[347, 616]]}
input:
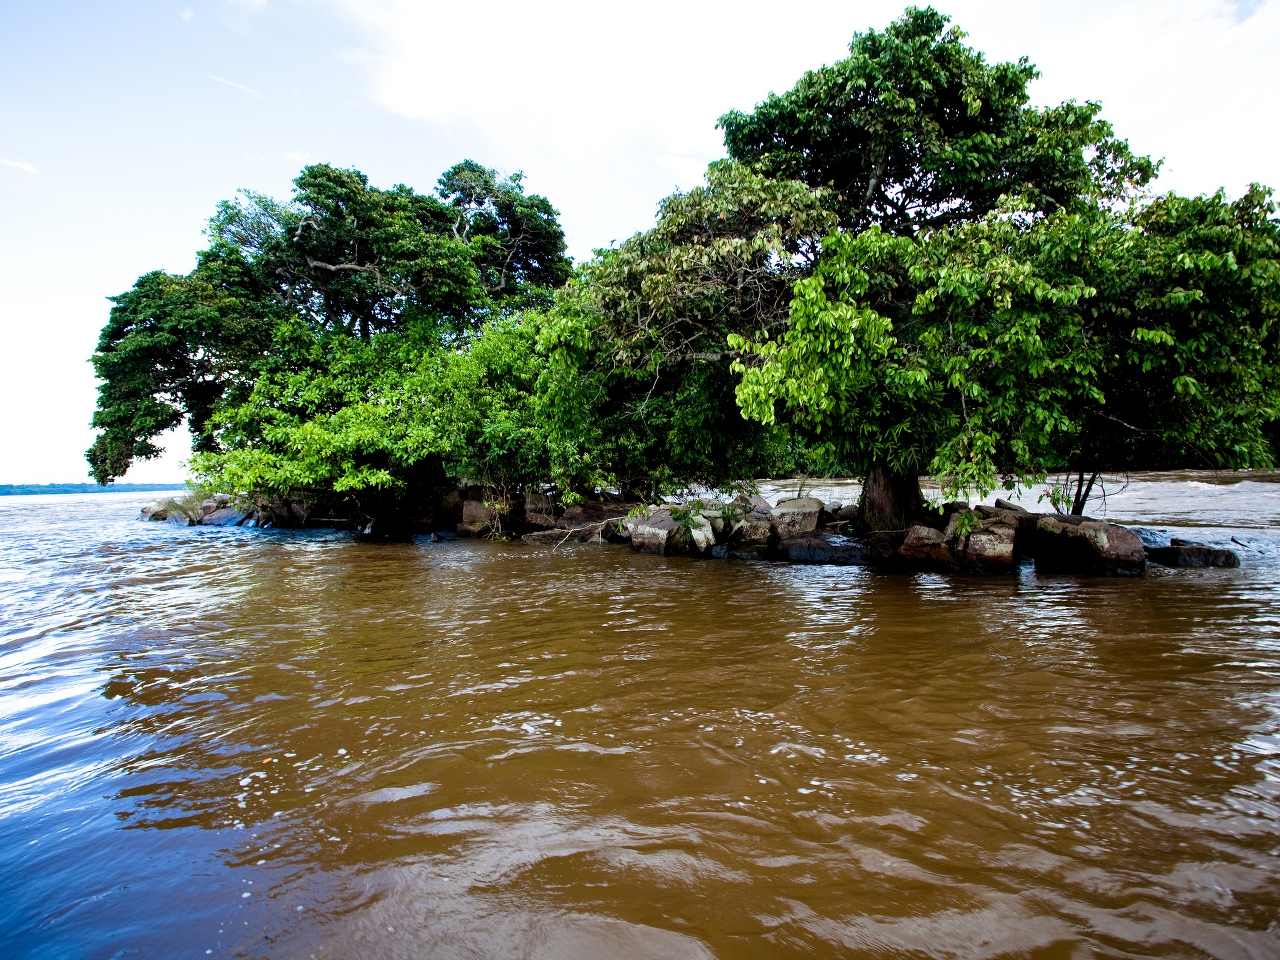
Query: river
{"points": [[244, 743]]}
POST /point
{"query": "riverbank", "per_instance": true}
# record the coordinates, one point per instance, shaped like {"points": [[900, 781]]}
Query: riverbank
{"points": [[995, 538]]}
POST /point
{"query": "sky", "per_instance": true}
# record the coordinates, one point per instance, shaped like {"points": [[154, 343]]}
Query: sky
{"points": [[123, 124]]}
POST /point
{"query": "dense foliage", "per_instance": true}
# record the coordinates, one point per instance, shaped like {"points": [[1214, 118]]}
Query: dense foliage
{"points": [[902, 267]]}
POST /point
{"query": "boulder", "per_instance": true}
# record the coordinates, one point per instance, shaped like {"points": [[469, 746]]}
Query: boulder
{"points": [[219, 501], [1008, 506], [991, 548], [658, 533], [154, 511], [823, 547], [539, 512], [1066, 544], [795, 518], [701, 535], [477, 518], [846, 513], [556, 537], [595, 512], [927, 548], [1183, 553], [751, 536], [1023, 523], [224, 517]]}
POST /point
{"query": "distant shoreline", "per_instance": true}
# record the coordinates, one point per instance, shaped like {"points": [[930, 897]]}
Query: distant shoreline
{"points": [[30, 489]]}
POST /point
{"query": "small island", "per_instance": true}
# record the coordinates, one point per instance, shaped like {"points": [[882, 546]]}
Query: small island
{"points": [[902, 267]]}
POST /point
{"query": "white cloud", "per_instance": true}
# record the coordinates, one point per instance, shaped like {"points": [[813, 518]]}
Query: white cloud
{"points": [[238, 86], [19, 165], [602, 103], [187, 15], [297, 156]]}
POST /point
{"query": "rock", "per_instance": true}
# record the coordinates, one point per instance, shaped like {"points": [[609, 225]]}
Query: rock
{"points": [[477, 511], [539, 512], [658, 533], [795, 518], [823, 547], [751, 531], [846, 513], [991, 549], [224, 517], [1020, 520], [177, 518], [583, 534], [478, 518], [834, 507], [720, 551], [926, 548], [218, 501], [882, 547], [1009, 506], [1066, 544], [760, 504], [1180, 553], [701, 535], [595, 512], [154, 511], [1151, 538]]}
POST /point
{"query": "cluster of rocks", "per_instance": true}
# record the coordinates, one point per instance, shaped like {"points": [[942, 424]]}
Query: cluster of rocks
{"points": [[957, 538], [221, 510], [987, 539]]}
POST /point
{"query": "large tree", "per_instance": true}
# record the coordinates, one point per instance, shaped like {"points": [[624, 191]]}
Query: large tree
{"points": [[989, 353], [915, 130], [282, 283]]}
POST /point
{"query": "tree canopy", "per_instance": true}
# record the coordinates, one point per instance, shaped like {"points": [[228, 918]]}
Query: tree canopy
{"points": [[902, 267], [915, 130]]}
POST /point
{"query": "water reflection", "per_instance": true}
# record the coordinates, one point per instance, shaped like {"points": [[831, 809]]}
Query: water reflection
{"points": [[280, 746]]}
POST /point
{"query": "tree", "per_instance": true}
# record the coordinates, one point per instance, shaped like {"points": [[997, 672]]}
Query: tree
{"points": [[989, 353], [914, 130], [639, 380], [172, 350], [282, 284], [517, 243], [1186, 320]]}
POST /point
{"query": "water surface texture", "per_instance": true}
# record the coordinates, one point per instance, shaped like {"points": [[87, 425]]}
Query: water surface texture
{"points": [[241, 743]]}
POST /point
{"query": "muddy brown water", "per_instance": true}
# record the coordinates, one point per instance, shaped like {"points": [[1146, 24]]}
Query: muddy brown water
{"points": [[238, 743]]}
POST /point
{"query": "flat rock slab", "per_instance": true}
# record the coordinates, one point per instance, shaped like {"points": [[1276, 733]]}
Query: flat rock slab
{"points": [[823, 547], [223, 517], [1193, 555]]}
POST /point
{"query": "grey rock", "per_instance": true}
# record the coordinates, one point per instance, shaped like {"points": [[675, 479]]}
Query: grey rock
{"points": [[1009, 505], [1183, 554], [701, 535], [823, 547], [223, 517], [1066, 544], [795, 518], [658, 533]]}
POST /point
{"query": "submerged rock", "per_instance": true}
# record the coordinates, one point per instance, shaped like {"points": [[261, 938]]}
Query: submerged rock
{"points": [[823, 547], [1184, 553]]}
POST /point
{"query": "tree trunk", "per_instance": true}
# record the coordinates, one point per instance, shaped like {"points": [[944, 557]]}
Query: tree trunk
{"points": [[890, 499], [1083, 489]]}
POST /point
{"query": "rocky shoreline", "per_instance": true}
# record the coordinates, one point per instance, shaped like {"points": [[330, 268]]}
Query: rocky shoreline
{"points": [[986, 539]]}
